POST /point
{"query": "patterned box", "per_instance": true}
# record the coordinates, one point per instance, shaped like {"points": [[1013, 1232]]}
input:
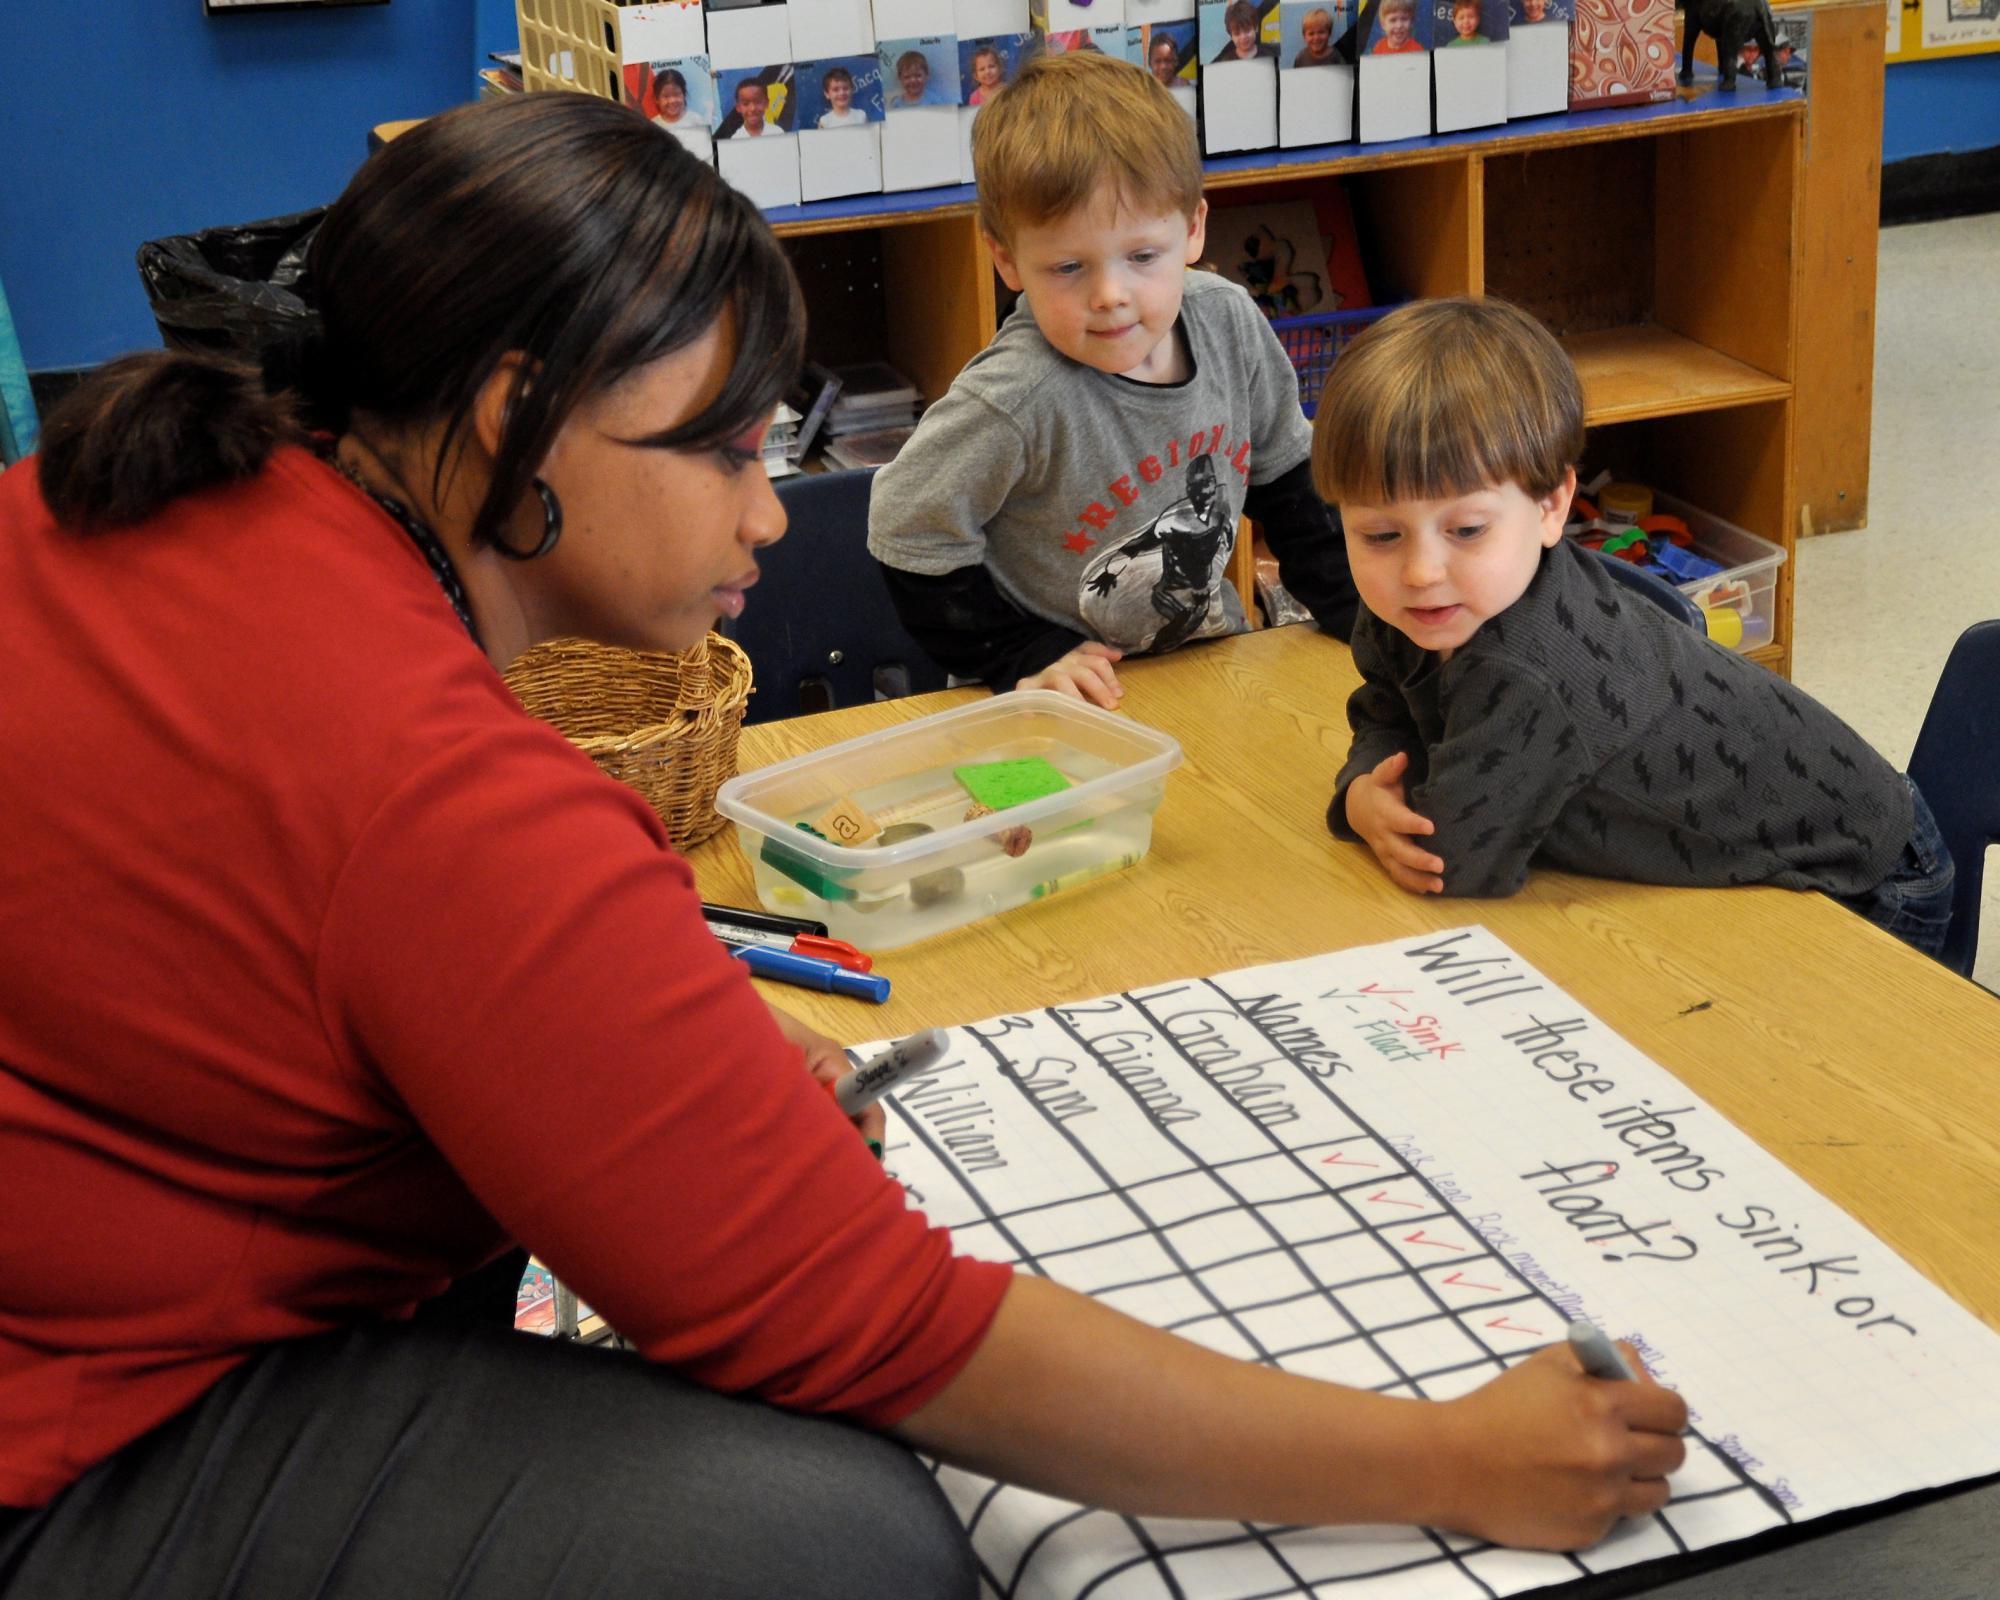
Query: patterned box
{"points": [[1621, 53]]}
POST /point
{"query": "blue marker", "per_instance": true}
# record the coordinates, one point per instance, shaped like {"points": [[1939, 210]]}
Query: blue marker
{"points": [[809, 972], [1600, 1357]]}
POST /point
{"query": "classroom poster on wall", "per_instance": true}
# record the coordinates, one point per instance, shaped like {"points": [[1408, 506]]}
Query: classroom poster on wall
{"points": [[1406, 1167], [1954, 22]]}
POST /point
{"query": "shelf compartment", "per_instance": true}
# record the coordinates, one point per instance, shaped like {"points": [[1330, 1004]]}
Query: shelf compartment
{"points": [[1665, 263], [1649, 371], [1733, 463]]}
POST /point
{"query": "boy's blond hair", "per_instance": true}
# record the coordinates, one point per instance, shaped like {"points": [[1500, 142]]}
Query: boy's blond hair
{"points": [[1072, 123], [1444, 397], [1399, 5]]}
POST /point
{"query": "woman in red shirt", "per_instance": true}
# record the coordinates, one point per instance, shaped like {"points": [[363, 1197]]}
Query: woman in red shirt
{"points": [[328, 976]]}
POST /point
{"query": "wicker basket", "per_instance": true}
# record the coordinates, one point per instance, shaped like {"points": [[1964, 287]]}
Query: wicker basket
{"points": [[665, 724]]}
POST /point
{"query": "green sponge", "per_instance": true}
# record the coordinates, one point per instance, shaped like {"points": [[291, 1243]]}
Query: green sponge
{"points": [[1000, 784]]}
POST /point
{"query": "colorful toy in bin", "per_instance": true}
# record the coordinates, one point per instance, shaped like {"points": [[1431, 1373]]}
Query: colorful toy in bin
{"points": [[1729, 573]]}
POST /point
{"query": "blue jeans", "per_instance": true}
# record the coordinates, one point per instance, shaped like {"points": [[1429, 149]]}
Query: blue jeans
{"points": [[1914, 901]]}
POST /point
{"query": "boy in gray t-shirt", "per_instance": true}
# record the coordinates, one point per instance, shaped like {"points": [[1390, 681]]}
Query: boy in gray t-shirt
{"points": [[1074, 497]]}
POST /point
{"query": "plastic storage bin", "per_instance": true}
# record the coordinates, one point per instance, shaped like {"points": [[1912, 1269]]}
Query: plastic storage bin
{"points": [[1313, 342], [934, 868], [1740, 601]]}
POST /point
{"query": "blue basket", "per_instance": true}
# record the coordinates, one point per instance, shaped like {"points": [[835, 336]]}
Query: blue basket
{"points": [[1313, 341]]}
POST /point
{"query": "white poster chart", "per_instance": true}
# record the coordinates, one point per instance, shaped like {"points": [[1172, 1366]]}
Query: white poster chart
{"points": [[1405, 1167]]}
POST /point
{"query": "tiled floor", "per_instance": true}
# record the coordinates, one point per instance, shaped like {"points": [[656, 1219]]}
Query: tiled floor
{"points": [[1877, 610]]}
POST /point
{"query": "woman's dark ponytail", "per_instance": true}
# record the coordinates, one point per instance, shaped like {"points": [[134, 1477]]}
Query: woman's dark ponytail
{"points": [[145, 429]]}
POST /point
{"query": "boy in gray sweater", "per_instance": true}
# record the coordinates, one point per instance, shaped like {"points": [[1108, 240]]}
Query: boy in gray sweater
{"points": [[1074, 497], [1518, 706]]}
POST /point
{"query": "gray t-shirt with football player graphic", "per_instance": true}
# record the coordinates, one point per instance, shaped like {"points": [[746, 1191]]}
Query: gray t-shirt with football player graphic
{"points": [[1097, 503]]}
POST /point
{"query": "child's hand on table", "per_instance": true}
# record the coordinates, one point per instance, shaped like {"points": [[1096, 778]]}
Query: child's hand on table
{"points": [[1377, 811], [1547, 1458], [1086, 672], [827, 1062]]}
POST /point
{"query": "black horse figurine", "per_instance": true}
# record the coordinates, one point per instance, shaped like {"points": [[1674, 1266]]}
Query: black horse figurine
{"points": [[1731, 24]]}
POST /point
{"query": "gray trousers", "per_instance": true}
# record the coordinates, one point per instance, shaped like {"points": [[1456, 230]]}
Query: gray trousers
{"points": [[443, 1458]]}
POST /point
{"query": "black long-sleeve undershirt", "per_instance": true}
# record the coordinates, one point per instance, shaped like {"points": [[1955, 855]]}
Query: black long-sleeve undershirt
{"points": [[968, 627]]}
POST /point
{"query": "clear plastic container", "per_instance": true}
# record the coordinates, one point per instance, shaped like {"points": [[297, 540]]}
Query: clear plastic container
{"points": [[1739, 602], [939, 868], [1748, 585]]}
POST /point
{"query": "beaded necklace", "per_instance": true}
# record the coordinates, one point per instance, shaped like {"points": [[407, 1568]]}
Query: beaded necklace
{"points": [[434, 552]]}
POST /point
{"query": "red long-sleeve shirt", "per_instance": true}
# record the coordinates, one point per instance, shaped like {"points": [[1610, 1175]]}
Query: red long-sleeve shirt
{"points": [[324, 971]]}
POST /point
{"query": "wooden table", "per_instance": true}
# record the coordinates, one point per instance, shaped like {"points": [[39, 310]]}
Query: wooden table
{"points": [[1869, 1070]]}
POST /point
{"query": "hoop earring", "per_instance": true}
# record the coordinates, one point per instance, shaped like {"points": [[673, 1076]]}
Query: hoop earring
{"points": [[552, 527]]}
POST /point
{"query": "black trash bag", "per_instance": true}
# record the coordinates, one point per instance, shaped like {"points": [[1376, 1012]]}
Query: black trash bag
{"points": [[238, 290]]}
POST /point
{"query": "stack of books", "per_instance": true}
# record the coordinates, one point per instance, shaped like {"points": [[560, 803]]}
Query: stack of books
{"points": [[503, 77], [798, 419], [875, 412], [778, 440]]}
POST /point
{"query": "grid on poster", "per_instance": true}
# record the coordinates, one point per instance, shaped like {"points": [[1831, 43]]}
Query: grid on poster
{"points": [[1315, 1248]]}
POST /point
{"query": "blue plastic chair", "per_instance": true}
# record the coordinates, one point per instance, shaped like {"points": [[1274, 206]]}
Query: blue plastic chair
{"points": [[820, 628], [1957, 765], [1656, 589]]}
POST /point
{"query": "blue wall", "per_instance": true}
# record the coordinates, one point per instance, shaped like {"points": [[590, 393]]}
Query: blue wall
{"points": [[130, 119], [126, 120], [1929, 107]]}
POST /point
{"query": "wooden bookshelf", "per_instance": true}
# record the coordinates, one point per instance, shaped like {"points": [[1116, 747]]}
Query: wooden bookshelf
{"points": [[1667, 246]]}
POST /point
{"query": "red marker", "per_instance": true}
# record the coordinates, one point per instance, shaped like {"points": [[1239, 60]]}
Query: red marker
{"points": [[816, 945]]}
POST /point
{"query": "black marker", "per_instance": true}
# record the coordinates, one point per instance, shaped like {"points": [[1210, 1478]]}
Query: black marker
{"points": [[762, 921], [865, 1085]]}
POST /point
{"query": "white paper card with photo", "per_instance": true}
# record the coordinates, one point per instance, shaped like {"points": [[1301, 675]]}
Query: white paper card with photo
{"points": [[918, 73], [1239, 106], [920, 148], [1393, 78], [1315, 82], [912, 19], [988, 19], [1538, 58], [823, 28], [1314, 33], [1141, 11], [755, 102], [1238, 30], [765, 169], [838, 92], [1315, 106], [987, 64], [679, 96], [840, 116], [840, 161], [662, 30], [1168, 50], [749, 38], [1469, 63], [1107, 41], [1069, 16]]}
